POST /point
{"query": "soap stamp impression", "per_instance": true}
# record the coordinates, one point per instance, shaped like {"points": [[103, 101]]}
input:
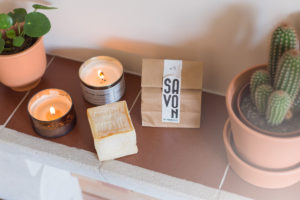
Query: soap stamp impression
{"points": [[111, 120], [171, 91]]}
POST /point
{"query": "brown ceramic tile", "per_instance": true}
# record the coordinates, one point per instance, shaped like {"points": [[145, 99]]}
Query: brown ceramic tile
{"points": [[63, 74], [235, 184], [194, 154], [197, 155], [9, 99]]}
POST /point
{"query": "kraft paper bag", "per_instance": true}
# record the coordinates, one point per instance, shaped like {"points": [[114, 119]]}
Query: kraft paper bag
{"points": [[171, 93]]}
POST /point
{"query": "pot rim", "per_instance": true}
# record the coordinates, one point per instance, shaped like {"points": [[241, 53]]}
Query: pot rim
{"points": [[26, 51], [233, 115]]}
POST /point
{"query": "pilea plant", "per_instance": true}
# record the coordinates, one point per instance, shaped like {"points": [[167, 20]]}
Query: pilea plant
{"points": [[275, 91], [18, 26]]}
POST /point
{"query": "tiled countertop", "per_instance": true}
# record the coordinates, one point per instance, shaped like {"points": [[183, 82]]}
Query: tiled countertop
{"points": [[193, 155]]}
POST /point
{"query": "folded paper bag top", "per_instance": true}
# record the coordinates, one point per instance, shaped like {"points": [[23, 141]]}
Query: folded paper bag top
{"points": [[153, 70], [112, 129], [157, 104]]}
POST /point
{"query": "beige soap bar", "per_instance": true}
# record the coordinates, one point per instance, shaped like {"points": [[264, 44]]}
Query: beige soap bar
{"points": [[113, 132]]}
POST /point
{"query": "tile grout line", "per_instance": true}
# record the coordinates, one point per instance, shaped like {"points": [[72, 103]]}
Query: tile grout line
{"points": [[23, 99], [50, 62], [135, 100], [217, 195], [224, 177], [15, 110]]}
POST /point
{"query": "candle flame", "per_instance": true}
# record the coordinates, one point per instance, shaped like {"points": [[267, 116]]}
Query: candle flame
{"points": [[52, 110], [101, 74]]}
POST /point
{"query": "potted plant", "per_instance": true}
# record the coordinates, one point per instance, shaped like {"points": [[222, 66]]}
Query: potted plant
{"points": [[263, 103], [22, 52]]}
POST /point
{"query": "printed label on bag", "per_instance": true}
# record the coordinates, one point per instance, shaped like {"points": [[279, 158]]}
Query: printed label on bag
{"points": [[171, 91]]}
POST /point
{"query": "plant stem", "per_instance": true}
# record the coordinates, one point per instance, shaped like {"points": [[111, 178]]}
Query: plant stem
{"points": [[19, 28]]}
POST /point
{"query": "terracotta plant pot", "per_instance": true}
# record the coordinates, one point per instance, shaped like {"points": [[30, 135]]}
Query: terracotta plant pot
{"points": [[259, 149], [22, 71], [258, 176]]}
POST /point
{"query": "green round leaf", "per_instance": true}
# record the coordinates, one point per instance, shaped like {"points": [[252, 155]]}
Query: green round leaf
{"points": [[36, 24], [11, 34], [12, 16], [2, 44], [38, 6], [18, 15], [18, 41], [5, 21]]}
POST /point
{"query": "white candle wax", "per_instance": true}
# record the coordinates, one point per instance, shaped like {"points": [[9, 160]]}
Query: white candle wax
{"points": [[110, 68], [40, 107]]}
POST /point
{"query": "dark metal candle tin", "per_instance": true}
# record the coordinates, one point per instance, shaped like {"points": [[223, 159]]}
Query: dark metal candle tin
{"points": [[100, 95], [54, 128]]}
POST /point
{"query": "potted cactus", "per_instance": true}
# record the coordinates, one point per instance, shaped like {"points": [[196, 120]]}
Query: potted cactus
{"points": [[263, 103], [275, 97], [22, 53]]}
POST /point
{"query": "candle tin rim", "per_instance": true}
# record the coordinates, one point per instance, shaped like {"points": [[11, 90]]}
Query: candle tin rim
{"points": [[71, 107], [96, 58]]}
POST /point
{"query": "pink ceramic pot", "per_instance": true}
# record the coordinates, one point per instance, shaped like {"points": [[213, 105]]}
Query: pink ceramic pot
{"points": [[259, 149], [260, 177], [23, 71]]}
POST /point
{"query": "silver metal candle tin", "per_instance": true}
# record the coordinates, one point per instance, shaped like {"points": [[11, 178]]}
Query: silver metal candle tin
{"points": [[100, 95]]}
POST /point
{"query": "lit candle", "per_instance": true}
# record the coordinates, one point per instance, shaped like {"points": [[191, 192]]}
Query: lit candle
{"points": [[101, 76], [52, 112], [102, 80]]}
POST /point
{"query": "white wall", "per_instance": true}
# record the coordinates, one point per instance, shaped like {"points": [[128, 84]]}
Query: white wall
{"points": [[227, 35]]}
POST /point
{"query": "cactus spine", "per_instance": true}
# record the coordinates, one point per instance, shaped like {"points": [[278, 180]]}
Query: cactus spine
{"points": [[262, 94], [283, 39], [259, 77], [278, 105], [288, 74]]}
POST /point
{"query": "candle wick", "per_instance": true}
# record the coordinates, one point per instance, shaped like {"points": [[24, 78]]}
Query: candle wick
{"points": [[52, 110]]}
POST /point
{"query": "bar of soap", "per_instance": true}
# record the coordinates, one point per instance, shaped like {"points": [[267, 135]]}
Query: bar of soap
{"points": [[113, 132]]}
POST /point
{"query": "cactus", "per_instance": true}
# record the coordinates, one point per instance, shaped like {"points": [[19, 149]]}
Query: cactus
{"points": [[296, 104], [288, 74], [279, 104], [284, 38], [275, 91], [262, 94], [258, 78]]}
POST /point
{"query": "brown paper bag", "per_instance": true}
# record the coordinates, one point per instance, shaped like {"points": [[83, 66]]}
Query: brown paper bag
{"points": [[154, 97]]}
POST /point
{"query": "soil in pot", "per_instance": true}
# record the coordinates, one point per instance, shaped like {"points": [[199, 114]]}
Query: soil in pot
{"points": [[250, 112], [10, 49]]}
